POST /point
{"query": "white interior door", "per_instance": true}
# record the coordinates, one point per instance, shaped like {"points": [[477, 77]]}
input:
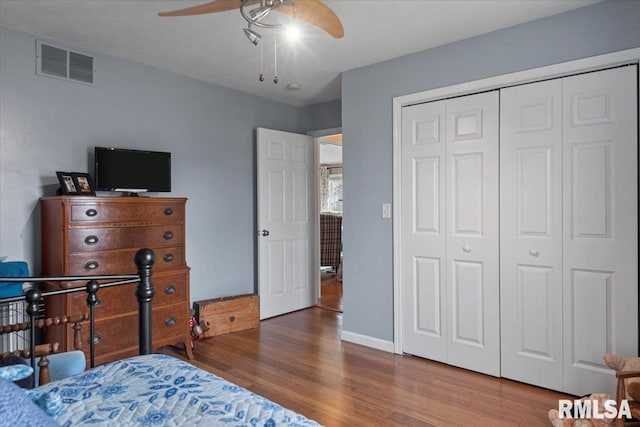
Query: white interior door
{"points": [[449, 236], [473, 282], [600, 271], [285, 222], [531, 233], [424, 324]]}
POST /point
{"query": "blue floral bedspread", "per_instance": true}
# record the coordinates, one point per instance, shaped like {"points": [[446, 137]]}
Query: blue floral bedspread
{"points": [[160, 390]]}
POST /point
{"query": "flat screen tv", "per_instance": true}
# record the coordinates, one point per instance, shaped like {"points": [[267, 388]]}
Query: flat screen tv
{"points": [[135, 171]]}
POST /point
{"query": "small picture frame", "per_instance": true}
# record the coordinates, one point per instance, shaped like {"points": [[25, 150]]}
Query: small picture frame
{"points": [[75, 184]]}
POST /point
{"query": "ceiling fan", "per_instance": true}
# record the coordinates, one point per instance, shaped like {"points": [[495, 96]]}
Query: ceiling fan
{"points": [[259, 13]]}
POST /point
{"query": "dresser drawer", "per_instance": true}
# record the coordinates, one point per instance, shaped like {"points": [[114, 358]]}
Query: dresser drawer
{"points": [[170, 289], [114, 334], [170, 321], [121, 262], [111, 238], [140, 213], [114, 300]]}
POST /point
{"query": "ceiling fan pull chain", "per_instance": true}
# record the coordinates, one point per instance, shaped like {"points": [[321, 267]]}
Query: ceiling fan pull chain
{"points": [[261, 74], [275, 59]]}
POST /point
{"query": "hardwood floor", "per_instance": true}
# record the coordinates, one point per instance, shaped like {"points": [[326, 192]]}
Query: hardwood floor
{"points": [[330, 292], [298, 361]]}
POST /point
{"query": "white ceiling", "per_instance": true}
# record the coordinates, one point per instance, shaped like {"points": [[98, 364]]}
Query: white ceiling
{"points": [[213, 47]]}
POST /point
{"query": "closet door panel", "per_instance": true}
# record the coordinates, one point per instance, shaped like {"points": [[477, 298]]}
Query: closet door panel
{"points": [[600, 272], [424, 327], [472, 233], [531, 233]]}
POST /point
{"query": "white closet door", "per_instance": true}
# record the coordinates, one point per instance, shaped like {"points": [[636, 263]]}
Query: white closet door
{"points": [[531, 233], [600, 273], [472, 233], [423, 231]]}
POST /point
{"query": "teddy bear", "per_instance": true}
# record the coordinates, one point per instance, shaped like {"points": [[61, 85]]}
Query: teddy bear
{"points": [[197, 328], [554, 415], [619, 363]]}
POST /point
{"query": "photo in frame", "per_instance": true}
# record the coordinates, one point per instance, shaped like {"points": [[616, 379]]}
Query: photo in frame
{"points": [[75, 184], [84, 184]]}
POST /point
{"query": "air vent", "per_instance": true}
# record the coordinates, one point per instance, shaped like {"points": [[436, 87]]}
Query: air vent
{"points": [[62, 63]]}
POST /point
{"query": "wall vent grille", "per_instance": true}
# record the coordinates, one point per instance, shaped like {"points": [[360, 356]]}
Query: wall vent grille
{"points": [[66, 64]]}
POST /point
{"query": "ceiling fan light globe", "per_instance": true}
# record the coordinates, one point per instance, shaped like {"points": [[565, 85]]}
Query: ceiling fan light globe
{"points": [[293, 33]]}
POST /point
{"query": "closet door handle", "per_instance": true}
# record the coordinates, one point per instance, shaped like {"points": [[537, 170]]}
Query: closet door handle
{"points": [[534, 253], [466, 248]]}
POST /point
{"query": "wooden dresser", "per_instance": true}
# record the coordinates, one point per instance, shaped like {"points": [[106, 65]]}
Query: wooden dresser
{"points": [[100, 235]]}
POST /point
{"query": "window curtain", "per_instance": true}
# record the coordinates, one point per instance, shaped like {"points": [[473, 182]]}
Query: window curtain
{"points": [[324, 188]]}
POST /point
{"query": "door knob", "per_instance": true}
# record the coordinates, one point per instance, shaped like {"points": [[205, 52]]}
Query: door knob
{"points": [[265, 233], [534, 253], [466, 248]]}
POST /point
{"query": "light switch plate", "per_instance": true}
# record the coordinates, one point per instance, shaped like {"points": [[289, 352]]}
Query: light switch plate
{"points": [[386, 210]]}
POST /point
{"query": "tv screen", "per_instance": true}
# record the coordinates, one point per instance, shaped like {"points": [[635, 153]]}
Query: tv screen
{"points": [[118, 169]]}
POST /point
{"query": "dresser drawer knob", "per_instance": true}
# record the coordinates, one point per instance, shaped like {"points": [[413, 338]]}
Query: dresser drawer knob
{"points": [[91, 265], [97, 339], [91, 240], [170, 321], [91, 212], [168, 257], [170, 290], [168, 235], [168, 211], [232, 318]]}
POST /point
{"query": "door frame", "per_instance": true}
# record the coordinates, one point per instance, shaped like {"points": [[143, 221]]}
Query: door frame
{"points": [[623, 57], [317, 135]]}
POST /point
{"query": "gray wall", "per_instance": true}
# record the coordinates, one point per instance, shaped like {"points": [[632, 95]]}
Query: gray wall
{"points": [[48, 124], [326, 115], [367, 95]]}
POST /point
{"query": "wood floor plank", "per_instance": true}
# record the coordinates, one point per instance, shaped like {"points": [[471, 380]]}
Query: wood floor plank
{"points": [[299, 361]]}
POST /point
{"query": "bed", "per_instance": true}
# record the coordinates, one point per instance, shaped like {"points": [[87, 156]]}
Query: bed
{"points": [[149, 389]]}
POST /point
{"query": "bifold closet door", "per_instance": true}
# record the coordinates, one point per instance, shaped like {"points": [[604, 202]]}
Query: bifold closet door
{"points": [[473, 274], [569, 229], [423, 244], [531, 233], [600, 226], [449, 237]]}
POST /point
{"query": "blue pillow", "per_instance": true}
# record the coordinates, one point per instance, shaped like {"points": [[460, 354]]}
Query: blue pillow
{"points": [[12, 269], [15, 372]]}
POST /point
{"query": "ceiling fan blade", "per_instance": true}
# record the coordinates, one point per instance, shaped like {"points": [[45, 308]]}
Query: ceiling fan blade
{"points": [[211, 7], [316, 13]]}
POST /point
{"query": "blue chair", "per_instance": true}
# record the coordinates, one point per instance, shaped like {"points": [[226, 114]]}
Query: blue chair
{"points": [[63, 365], [12, 269]]}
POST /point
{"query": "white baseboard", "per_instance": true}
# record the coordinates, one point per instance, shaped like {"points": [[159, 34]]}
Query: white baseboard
{"points": [[367, 341]]}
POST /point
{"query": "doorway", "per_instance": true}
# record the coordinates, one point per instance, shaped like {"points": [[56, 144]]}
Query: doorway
{"points": [[330, 221]]}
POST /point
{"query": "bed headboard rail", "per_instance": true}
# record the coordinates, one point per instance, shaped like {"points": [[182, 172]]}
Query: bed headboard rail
{"points": [[143, 259]]}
